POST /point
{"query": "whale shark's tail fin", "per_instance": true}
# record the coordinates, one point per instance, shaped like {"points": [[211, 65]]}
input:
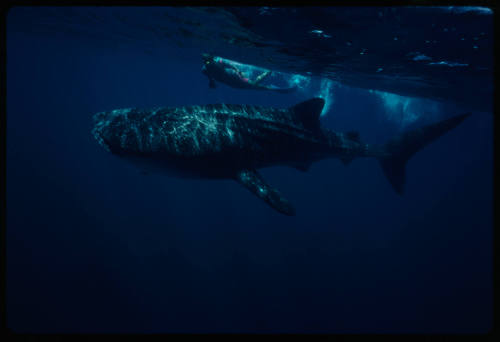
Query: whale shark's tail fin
{"points": [[399, 150]]}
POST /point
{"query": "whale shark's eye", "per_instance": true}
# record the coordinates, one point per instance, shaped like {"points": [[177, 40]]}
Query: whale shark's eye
{"points": [[207, 62]]}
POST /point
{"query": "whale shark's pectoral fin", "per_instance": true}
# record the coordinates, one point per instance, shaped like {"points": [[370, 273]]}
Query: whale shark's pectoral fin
{"points": [[256, 184]]}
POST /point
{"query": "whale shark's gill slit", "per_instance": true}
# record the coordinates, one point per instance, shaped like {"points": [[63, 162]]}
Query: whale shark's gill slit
{"points": [[138, 137]]}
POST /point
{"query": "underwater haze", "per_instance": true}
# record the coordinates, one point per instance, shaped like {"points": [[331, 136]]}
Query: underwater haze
{"points": [[98, 245]]}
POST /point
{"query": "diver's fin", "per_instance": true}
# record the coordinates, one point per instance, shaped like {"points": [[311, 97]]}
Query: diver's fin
{"points": [[254, 182], [400, 149], [308, 112], [211, 83]]}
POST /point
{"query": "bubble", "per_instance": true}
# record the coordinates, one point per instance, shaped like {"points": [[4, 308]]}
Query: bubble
{"points": [[406, 110], [326, 93]]}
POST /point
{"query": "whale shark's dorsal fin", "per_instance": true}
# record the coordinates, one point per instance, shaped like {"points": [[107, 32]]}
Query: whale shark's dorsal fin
{"points": [[308, 112], [256, 184]]}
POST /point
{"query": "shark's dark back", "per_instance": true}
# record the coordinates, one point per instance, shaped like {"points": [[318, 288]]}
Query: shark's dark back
{"points": [[243, 131], [254, 130]]}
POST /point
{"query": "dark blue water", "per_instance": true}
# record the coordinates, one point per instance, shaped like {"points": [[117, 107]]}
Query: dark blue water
{"points": [[94, 245]]}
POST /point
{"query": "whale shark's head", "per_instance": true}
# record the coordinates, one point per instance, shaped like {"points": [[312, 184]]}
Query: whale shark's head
{"points": [[105, 130], [101, 129]]}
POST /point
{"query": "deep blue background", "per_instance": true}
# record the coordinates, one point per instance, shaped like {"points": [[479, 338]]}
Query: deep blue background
{"points": [[93, 245]]}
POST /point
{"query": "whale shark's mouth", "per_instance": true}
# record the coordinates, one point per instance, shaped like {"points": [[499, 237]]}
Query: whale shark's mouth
{"points": [[100, 123], [103, 128], [96, 132]]}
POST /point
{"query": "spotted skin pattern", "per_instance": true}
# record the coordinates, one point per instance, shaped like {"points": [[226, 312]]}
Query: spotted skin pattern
{"points": [[253, 136]]}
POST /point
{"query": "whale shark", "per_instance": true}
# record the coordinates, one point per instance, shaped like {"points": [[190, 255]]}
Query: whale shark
{"points": [[233, 141]]}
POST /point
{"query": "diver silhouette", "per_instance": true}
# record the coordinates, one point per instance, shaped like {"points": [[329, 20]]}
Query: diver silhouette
{"points": [[226, 71]]}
